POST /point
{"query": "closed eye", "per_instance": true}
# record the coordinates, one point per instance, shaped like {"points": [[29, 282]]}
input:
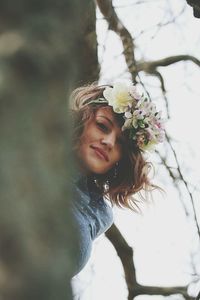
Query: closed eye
{"points": [[102, 126]]}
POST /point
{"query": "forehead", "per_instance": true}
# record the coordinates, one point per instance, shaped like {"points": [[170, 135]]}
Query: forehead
{"points": [[107, 112]]}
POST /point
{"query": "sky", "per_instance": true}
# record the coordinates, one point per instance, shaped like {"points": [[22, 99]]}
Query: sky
{"points": [[162, 237]]}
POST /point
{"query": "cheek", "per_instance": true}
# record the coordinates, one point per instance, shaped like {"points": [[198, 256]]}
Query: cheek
{"points": [[82, 145], [89, 134], [84, 139]]}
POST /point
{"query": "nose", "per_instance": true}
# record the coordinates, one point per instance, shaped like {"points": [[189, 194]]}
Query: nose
{"points": [[109, 140]]}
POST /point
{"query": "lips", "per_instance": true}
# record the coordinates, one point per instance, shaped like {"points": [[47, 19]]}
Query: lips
{"points": [[100, 152]]}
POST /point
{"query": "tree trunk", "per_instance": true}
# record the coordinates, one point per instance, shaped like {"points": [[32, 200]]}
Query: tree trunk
{"points": [[41, 60]]}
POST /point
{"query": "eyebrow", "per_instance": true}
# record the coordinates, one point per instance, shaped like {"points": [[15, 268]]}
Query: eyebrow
{"points": [[106, 119]]}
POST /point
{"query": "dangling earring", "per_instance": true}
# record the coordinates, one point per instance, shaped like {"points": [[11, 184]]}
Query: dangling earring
{"points": [[95, 181], [116, 169]]}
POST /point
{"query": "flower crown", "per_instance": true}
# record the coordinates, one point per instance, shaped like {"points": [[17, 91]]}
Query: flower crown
{"points": [[142, 120]]}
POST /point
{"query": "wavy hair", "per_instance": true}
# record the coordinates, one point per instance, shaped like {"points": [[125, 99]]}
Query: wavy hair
{"points": [[131, 176]]}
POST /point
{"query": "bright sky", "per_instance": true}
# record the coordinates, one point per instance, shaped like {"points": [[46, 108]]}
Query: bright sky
{"points": [[163, 239]]}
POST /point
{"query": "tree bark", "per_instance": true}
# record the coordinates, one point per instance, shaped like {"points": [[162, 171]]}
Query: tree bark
{"points": [[41, 60]]}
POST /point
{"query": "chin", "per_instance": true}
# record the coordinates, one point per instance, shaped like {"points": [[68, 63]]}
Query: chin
{"points": [[98, 170], [96, 167]]}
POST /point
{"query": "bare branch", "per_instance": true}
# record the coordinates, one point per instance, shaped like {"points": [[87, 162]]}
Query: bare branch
{"points": [[186, 185], [164, 291], [163, 160], [117, 26], [196, 7], [125, 252], [150, 66], [174, 179], [162, 83]]}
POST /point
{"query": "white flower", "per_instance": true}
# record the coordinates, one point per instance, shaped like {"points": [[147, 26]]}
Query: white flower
{"points": [[128, 114], [127, 124], [134, 122], [142, 119], [119, 97], [139, 114], [134, 93]]}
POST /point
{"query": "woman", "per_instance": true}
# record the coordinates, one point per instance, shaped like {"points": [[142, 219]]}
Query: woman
{"points": [[113, 126]]}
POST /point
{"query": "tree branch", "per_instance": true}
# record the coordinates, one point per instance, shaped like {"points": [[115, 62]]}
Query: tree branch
{"points": [[116, 25], [196, 7], [150, 66], [135, 67], [162, 84], [164, 291], [125, 253], [186, 186]]}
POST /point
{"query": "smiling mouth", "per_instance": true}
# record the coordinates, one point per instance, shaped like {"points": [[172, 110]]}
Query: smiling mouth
{"points": [[100, 153]]}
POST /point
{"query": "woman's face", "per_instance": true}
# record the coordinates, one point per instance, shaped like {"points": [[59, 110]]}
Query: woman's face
{"points": [[100, 143]]}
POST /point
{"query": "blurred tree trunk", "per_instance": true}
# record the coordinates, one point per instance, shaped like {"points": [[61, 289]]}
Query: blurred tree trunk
{"points": [[45, 50]]}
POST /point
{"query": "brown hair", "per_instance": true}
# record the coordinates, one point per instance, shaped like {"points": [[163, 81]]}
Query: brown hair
{"points": [[132, 173]]}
